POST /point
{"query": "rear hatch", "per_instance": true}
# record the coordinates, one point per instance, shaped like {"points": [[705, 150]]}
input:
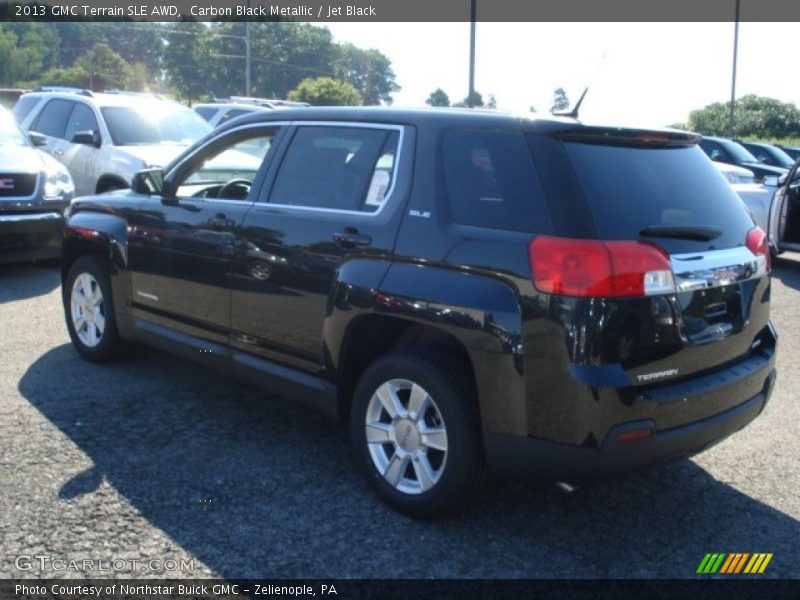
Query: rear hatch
{"points": [[645, 224]]}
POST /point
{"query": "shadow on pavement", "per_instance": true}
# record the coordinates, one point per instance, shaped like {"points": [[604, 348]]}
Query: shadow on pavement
{"points": [[786, 269], [256, 487], [26, 280]]}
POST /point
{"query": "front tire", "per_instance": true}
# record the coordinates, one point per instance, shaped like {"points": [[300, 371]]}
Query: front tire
{"points": [[89, 310], [415, 431]]}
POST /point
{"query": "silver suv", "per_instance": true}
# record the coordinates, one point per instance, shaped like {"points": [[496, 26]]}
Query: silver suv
{"points": [[222, 110], [105, 138]]}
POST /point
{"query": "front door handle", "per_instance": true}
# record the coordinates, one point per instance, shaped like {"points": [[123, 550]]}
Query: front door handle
{"points": [[219, 222], [350, 238]]}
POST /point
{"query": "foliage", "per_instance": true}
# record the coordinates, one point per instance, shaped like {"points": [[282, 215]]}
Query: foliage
{"points": [[326, 91], [369, 71], [560, 100], [105, 68], [476, 100], [185, 60], [438, 97], [755, 116]]}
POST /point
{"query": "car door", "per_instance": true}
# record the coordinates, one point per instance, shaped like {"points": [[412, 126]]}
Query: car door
{"points": [[52, 123], [182, 245], [784, 214], [335, 198], [80, 158]]}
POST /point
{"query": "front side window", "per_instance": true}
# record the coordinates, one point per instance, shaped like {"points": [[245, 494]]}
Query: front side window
{"points": [[228, 170], [338, 168], [81, 120], [52, 120]]}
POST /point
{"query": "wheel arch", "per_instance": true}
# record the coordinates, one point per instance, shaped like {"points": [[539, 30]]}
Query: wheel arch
{"points": [[108, 182]]}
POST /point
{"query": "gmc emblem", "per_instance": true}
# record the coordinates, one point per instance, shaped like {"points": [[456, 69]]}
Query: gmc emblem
{"points": [[6, 183]]}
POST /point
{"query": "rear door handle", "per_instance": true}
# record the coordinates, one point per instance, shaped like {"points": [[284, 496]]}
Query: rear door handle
{"points": [[350, 238]]}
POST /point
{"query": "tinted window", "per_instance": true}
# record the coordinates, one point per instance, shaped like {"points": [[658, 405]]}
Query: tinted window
{"points": [[82, 119], [206, 111], [343, 168], [630, 188], [714, 151], [491, 181], [24, 106], [52, 120]]}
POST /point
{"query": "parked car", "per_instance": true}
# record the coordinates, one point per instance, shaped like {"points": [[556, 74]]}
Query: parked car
{"points": [[465, 289], [105, 138], [768, 154], [792, 151], [9, 96], [222, 110], [733, 174], [35, 189], [784, 216], [727, 151]]}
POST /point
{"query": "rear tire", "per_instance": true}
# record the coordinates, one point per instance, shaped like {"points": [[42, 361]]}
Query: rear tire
{"points": [[415, 431], [89, 310]]}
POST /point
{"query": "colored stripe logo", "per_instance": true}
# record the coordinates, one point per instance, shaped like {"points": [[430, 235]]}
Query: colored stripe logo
{"points": [[734, 563]]}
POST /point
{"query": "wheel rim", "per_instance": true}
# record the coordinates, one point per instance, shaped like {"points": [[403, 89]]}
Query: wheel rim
{"points": [[87, 309], [406, 436]]}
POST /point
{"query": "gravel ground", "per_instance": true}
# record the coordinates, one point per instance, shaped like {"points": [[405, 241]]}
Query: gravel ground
{"points": [[158, 461]]}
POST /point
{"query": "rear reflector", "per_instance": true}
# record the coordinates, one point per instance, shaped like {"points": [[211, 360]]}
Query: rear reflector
{"points": [[634, 434], [594, 268], [758, 244]]}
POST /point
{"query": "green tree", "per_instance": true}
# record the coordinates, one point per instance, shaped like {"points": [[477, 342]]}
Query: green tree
{"points": [[326, 91], [69, 76], [492, 102], [369, 71], [476, 100], [438, 97], [755, 116], [105, 68], [560, 100], [186, 60]]}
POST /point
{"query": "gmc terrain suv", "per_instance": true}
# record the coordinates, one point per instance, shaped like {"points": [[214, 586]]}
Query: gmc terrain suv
{"points": [[467, 289]]}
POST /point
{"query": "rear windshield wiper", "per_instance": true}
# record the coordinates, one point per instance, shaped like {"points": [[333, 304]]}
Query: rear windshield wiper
{"points": [[702, 233]]}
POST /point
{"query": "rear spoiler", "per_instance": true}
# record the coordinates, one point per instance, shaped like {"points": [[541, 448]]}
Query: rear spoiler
{"points": [[618, 136]]}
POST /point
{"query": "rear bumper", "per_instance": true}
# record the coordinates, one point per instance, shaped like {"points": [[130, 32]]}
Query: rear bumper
{"points": [[519, 456], [30, 235]]}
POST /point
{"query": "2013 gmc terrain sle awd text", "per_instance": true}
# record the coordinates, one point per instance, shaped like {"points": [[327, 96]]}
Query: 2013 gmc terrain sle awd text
{"points": [[467, 289]]}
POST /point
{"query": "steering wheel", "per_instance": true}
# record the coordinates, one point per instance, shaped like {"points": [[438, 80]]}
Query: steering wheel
{"points": [[229, 186]]}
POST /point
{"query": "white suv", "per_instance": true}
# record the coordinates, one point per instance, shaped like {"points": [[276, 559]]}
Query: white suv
{"points": [[105, 138]]}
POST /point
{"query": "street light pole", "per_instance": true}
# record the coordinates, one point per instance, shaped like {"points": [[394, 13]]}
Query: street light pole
{"points": [[247, 60], [732, 122], [471, 95]]}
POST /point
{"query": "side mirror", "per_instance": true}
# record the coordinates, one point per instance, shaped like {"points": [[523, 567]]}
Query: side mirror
{"points": [[37, 139], [87, 138], [148, 182], [771, 180]]}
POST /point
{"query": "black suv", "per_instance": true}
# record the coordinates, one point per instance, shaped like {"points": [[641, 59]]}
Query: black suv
{"points": [[468, 289]]}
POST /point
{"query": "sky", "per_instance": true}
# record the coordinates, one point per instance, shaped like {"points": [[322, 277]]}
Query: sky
{"points": [[646, 74]]}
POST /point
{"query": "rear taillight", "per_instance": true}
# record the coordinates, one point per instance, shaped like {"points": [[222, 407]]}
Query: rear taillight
{"points": [[593, 268], [758, 244]]}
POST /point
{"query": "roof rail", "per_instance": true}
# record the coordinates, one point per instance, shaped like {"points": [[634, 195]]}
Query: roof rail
{"points": [[268, 102], [128, 93], [65, 89]]}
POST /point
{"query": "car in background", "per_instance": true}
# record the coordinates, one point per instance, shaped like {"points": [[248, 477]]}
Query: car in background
{"points": [[792, 151], [734, 174], [105, 138], [222, 110], [768, 154], [9, 96], [727, 151], [35, 190]]}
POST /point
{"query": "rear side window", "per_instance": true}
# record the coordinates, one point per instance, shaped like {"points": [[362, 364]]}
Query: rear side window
{"points": [[628, 189], [337, 168], [52, 120], [232, 114], [24, 106], [491, 181]]}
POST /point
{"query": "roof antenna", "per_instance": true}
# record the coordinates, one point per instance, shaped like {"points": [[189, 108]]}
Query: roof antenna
{"points": [[573, 113]]}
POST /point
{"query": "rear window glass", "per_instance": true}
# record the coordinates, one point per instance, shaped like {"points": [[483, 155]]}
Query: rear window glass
{"points": [[491, 181], [630, 188]]}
